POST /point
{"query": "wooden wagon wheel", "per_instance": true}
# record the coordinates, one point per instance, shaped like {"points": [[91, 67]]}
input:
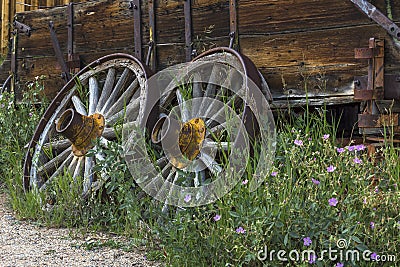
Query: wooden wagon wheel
{"points": [[87, 108], [195, 107]]}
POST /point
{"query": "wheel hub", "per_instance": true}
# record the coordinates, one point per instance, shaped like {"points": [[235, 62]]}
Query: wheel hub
{"points": [[81, 130], [181, 141]]}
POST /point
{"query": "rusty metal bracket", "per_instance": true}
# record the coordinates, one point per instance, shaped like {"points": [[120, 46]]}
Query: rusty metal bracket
{"points": [[374, 88], [22, 28], [59, 55], [73, 62], [152, 53], [373, 13], [392, 88], [187, 7], [137, 26], [233, 25]]}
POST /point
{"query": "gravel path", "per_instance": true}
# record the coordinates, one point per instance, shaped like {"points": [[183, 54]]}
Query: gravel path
{"points": [[25, 244]]}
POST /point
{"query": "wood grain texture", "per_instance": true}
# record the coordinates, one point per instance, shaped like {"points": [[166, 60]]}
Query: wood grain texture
{"points": [[300, 46]]}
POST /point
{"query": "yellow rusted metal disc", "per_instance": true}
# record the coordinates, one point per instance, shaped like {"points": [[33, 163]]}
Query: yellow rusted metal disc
{"points": [[191, 137]]}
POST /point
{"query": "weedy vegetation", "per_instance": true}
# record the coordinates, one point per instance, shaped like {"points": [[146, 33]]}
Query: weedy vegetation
{"points": [[318, 192]]}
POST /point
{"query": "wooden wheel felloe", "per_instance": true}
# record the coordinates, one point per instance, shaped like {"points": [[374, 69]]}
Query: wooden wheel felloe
{"points": [[90, 106]]}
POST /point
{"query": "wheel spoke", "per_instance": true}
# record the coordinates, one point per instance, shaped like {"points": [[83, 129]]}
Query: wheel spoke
{"points": [[182, 106], [78, 105], [58, 171], [165, 207], [104, 142], [59, 144], [120, 84], [197, 92], [216, 145], [200, 178], [132, 110], [78, 169], [88, 174], [93, 95], [211, 164], [108, 86], [72, 165], [54, 162], [124, 99]]}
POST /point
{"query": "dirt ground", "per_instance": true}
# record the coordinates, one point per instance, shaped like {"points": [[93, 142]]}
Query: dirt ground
{"points": [[26, 244]]}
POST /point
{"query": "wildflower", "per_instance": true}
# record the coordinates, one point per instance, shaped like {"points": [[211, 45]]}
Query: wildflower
{"points": [[274, 174], [307, 241], [360, 147], [339, 264], [374, 256], [187, 198], [376, 189], [372, 224], [309, 139], [333, 202], [365, 200], [326, 136], [351, 148], [340, 150], [357, 160], [298, 142], [217, 217], [331, 168], [312, 258], [30, 114], [315, 181], [240, 230], [245, 182]]}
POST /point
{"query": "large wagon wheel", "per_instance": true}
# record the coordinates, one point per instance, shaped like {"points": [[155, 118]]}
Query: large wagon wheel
{"points": [[87, 108], [205, 115]]}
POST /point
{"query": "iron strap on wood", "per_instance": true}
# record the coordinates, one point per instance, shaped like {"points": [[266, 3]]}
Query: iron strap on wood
{"points": [[152, 53], [373, 13], [137, 25], [233, 27], [187, 7], [73, 59], [59, 55]]}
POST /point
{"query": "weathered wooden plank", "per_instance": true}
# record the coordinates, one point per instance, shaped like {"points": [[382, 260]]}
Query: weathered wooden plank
{"points": [[275, 17]]}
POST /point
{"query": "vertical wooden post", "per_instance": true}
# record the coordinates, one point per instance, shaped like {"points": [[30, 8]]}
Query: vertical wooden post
{"points": [[20, 7], [5, 25], [50, 3], [35, 4]]}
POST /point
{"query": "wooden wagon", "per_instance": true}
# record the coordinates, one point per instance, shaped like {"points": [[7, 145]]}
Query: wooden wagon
{"points": [[340, 54]]}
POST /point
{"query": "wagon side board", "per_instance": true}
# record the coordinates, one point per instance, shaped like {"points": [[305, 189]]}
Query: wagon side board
{"points": [[301, 47]]}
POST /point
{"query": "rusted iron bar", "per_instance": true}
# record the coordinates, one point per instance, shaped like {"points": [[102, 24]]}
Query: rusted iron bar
{"points": [[233, 25], [373, 13], [152, 53], [137, 25], [374, 88], [188, 29], [59, 55], [22, 28]]}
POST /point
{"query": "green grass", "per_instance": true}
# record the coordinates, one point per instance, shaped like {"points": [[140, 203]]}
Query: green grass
{"points": [[291, 205]]}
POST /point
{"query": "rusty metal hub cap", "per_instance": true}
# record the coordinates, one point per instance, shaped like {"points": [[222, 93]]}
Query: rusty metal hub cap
{"points": [[81, 130], [182, 142]]}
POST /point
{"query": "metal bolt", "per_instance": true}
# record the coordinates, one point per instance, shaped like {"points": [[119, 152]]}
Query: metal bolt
{"points": [[357, 82], [397, 78]]}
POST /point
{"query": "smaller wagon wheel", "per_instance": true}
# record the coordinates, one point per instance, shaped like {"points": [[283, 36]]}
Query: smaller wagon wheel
{"points": [[204, 117], [90, 106]]}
